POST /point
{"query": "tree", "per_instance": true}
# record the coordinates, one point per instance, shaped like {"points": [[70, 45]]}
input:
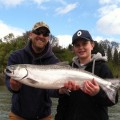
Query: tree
{"points": [[9, 37], [98, 48], [0, 40], [115, 57], [119, 58], [70, 47], [109, 54], [53, 40]]}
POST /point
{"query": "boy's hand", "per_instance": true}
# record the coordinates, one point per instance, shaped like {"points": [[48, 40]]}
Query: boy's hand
{"points": [[91, 87], [71, 86]]}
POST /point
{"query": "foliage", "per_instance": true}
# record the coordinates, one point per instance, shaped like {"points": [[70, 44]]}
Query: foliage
{"points": [[109, 53], [63, 54], [115, 57]]}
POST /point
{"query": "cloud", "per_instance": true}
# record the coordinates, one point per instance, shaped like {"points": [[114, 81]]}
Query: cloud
{"points": [[6, 29], [9, 3], [98, 38], [40, 1], [61, 1], [13, 3], [109, 21], [66, 9], [103, 2], [64, 40]]}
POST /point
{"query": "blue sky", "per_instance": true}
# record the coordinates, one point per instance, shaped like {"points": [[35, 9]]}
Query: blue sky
{"points": [[64, 17]]}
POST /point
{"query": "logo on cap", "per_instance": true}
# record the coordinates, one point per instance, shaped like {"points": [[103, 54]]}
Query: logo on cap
{"points": [[79, 33]]}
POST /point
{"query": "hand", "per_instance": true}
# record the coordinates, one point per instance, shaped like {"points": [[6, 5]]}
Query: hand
{"points": [[68, 87], [15, 85], [91, 87], [64, 90], [71, 85]]}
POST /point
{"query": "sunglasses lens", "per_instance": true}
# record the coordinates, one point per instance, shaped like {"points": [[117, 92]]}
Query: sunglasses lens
{"points": [[39, 32], [46, 34]]}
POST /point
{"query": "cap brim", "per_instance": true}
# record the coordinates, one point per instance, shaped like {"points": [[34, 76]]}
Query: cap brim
{"points": [[81, 38]]}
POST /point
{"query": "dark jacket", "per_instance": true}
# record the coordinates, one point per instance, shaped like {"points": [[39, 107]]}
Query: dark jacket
{"points": [[81, 106], [32, 103]]}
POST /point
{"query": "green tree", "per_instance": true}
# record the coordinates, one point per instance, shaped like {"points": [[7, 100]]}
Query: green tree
{"points": [[109, 54], [98, 48], [9, 37], [115, 57]]}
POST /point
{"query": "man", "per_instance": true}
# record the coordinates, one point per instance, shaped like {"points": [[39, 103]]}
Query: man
{"points": [[30, 103]]}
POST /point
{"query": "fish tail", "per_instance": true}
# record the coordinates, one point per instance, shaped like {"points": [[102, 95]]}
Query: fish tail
{"points": [[115, 84], [112, 89]]}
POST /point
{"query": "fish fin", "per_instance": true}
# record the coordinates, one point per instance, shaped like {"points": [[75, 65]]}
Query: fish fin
{"points": [[32, 81]]}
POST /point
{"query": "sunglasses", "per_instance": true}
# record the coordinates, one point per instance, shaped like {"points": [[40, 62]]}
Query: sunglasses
{"points": [[39, 32]]}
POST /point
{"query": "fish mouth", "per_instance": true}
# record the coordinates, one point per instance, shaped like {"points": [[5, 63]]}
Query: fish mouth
{"points": [[9, 71]]}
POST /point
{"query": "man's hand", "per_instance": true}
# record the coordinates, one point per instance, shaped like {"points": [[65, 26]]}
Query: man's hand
{"points": [[15, 85]]}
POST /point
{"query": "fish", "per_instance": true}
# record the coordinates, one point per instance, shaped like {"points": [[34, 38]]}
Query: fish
{"points": [[56, 75]]}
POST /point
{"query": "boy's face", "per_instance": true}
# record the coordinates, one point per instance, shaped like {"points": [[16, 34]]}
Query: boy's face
{"points": [[83, 48]]}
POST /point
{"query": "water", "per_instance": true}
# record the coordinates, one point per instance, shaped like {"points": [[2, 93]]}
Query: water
{"points": [[4, 103], [5, 97]]}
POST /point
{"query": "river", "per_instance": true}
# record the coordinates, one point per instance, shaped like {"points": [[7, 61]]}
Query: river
{"points": [[5, 97]]}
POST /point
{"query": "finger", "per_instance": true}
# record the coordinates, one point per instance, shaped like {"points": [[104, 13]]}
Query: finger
{"points": [[94, 82], [66, 85], [72, 85], [87, 88], [77, 87]]}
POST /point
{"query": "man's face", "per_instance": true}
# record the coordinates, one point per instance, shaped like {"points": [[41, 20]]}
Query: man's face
{"points": [[39, 38]]}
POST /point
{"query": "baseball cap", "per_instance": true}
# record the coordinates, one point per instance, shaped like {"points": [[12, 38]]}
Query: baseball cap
{"points": [[81, 34], [40, 24]]}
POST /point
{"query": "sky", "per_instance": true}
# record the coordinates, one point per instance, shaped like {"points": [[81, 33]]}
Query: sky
{"points": [[64, 17]]}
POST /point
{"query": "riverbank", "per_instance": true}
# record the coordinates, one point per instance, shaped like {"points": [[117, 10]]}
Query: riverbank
{"points": [[2, 79]]}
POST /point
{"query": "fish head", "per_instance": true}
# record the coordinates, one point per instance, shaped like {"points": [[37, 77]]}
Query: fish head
{"points": [[16, 72]]}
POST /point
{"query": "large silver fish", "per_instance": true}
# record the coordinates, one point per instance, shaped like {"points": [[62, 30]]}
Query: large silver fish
{"points": [[54, 77]]}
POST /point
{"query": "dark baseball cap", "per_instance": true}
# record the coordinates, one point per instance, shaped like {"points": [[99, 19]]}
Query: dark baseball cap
{"points": [[81, 35]]}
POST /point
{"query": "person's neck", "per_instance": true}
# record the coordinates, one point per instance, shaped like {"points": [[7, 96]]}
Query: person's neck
{"points": [[85, 60], [37, 51]]}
